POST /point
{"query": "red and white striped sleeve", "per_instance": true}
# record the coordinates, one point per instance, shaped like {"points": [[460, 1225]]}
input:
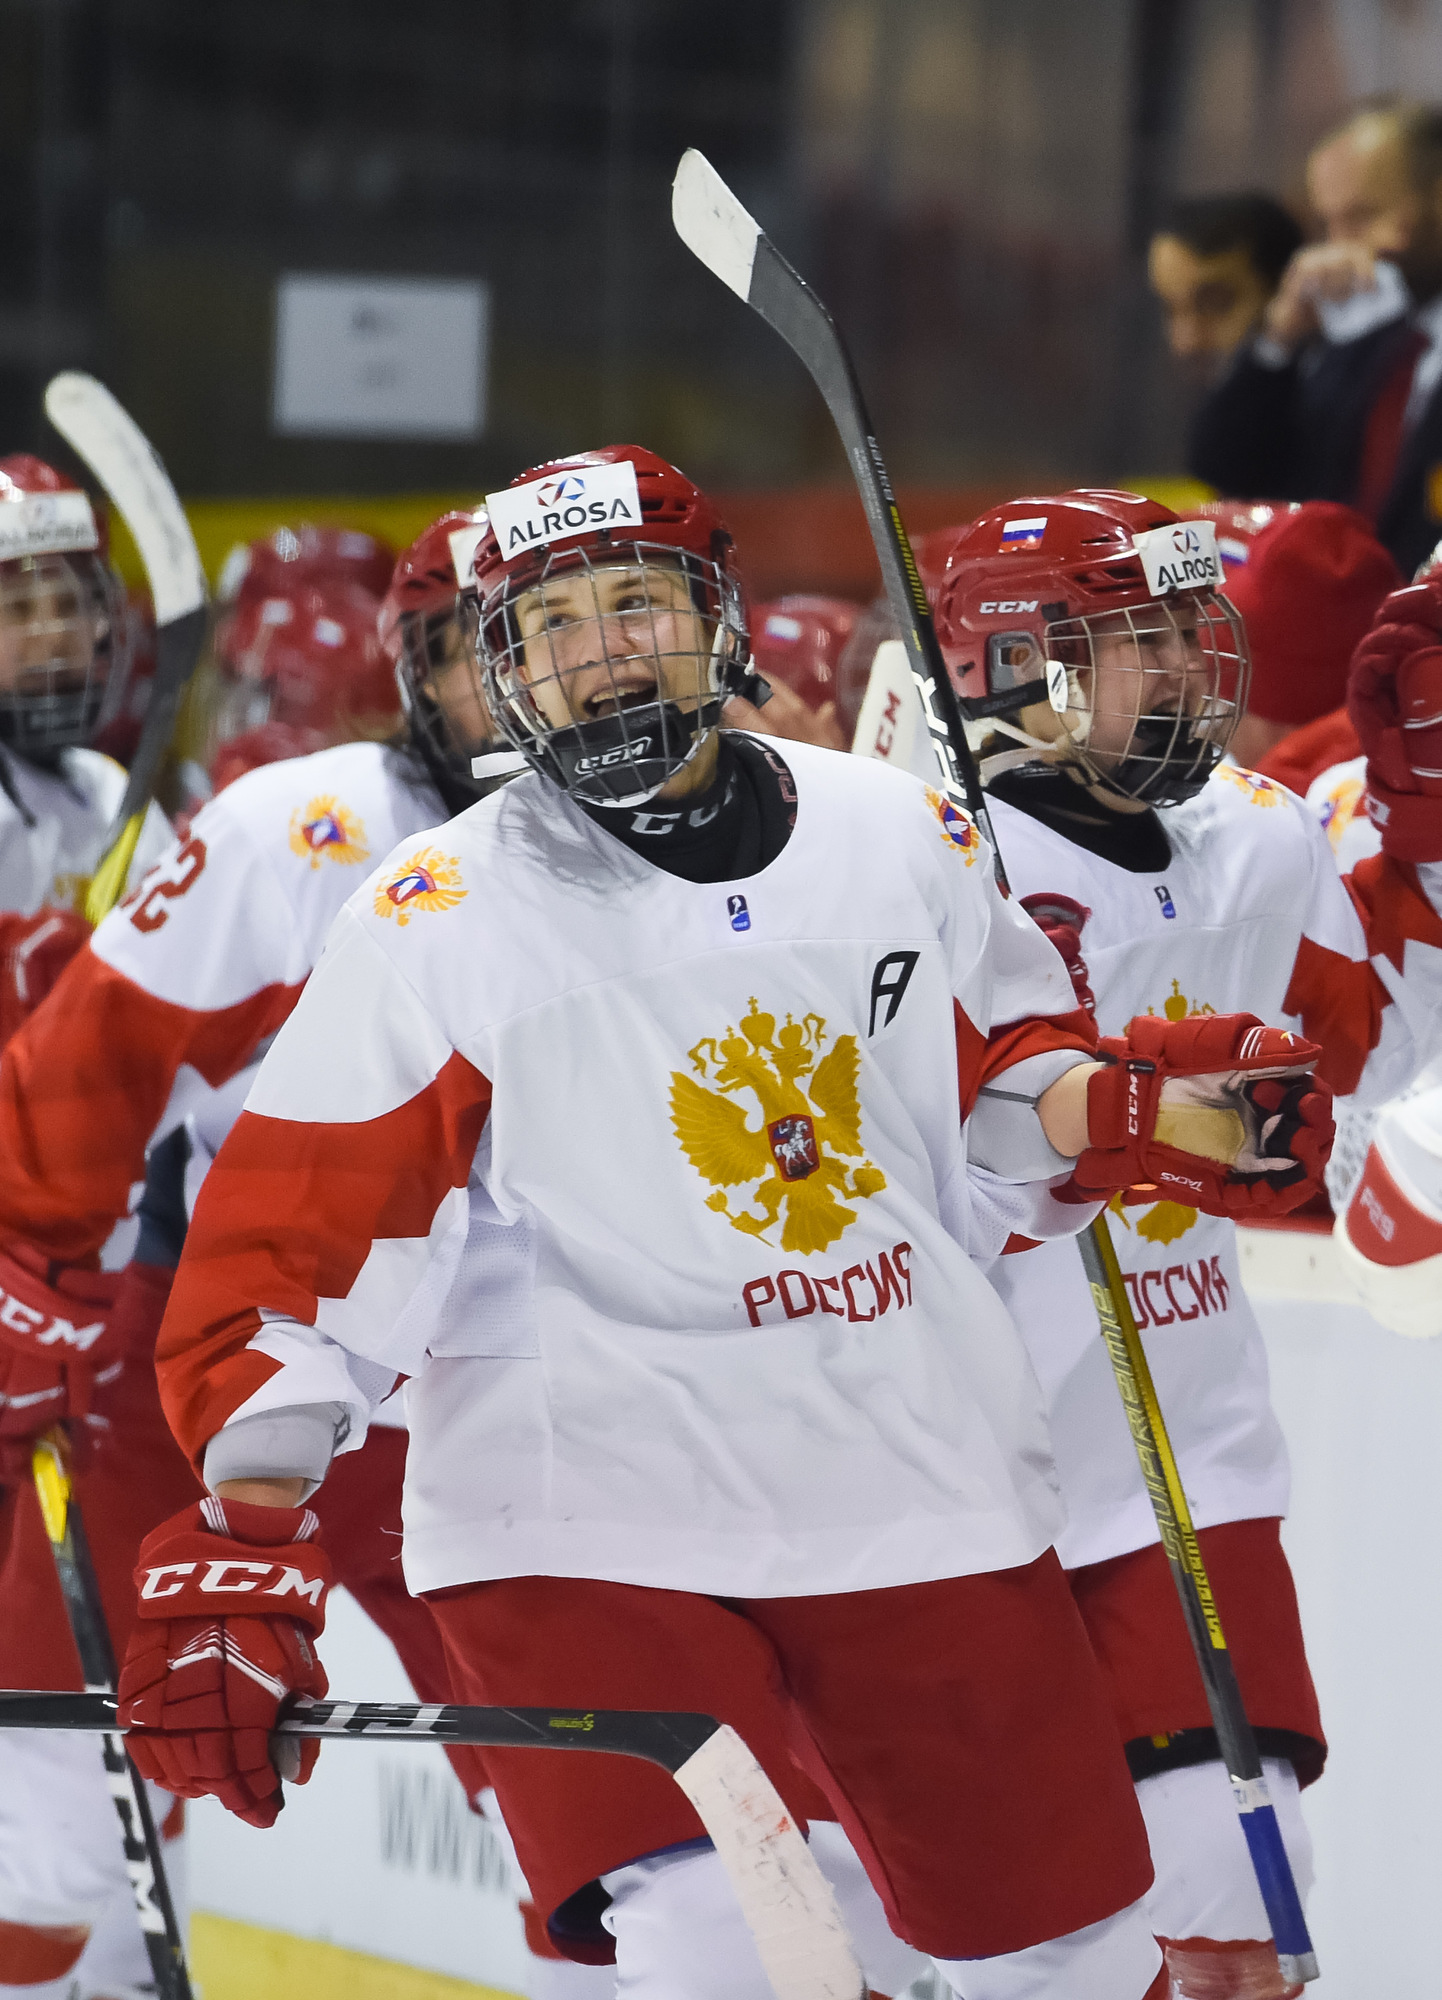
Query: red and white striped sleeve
{"points": [[172, 996], [334, 1212]]}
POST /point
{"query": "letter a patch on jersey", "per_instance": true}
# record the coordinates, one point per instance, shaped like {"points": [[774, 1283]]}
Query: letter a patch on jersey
{"points": [[794, 1162], [428, 880]]}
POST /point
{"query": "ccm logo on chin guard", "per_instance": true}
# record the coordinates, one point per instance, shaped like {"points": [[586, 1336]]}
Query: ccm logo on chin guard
{"points": [[21, 1318], [624, 753], [230, 1576], [1003, 607]]}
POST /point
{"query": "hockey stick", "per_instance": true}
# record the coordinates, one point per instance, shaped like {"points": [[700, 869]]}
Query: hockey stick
{"points": [[141, 1843], [716, 228], [784, 1897], [117, 452]]}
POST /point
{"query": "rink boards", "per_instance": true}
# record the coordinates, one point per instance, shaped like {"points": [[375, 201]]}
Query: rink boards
{"points": [[379, 1856]]}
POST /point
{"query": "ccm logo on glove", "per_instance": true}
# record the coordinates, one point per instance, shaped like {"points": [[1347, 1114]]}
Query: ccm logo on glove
{"points": [[43, 1330], [227, 1576]]}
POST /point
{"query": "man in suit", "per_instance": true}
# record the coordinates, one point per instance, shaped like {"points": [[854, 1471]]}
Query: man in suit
{"points": [[1339, 397]]}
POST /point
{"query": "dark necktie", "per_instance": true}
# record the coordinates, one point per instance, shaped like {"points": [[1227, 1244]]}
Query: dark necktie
{"points": [[1386, 422]]}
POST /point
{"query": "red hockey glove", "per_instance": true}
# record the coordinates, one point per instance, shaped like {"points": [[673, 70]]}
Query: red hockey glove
{"points": [[55, 1346], [1062, 918], [231, 1597], [1394, 697], [141, 1297], [1217, 1111], [34, 951]]}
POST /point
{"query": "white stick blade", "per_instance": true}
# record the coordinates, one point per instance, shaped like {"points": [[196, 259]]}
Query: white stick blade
{"points": [[784, 1897], [712, 224], [122, 458]]}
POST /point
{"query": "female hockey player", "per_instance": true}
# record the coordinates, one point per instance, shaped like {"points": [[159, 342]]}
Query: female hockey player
{"points": [[732, 1368], [153, 1037], [1175, 886]]}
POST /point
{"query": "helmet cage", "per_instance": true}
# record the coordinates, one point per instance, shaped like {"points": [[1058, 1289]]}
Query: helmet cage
{"points": [[624, 756], [64, 650], [1155, 733]]}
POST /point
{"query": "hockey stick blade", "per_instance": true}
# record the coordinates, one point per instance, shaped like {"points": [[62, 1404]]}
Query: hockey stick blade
{"points": [[715, 228], [783, 1895], [127, 466]]}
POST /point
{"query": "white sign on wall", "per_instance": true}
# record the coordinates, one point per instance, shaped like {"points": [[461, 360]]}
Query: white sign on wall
{"points": [[380, 357]]}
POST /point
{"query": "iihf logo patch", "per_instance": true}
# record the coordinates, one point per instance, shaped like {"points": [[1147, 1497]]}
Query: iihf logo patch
{"points": [[1164, 896], [737, 911], [428, 880]]}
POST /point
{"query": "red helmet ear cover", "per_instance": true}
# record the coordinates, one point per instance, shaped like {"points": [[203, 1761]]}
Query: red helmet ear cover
{"points": [[424, 579], [674, 512]]}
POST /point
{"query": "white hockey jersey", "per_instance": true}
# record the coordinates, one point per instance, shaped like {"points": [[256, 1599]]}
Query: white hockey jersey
{"points": [[182, 986], [1249, 915], [702, 1145], [52, 831]]}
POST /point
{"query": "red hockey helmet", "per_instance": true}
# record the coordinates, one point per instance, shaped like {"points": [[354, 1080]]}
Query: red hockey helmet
{"points": [[309, 658], [306, 554], [425, 638], [63, 630], [798, 640], [1307, 577], [609, 618], [1090, 628]]}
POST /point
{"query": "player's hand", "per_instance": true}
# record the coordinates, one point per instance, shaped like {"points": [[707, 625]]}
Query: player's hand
{"points": [[1329, 271], [232, 1597], [1217, 1111], [56, 1346], [1063, 919], [1394, 697], [34, 951]]}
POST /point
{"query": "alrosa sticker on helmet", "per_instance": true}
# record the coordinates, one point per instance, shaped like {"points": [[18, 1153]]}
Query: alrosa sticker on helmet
{"points": [[581, 500], [463, 544], [1182, 556], [42, 524]]}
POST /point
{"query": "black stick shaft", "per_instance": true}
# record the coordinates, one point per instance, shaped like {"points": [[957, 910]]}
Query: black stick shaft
{"points": [[660, 1736], [140, 1839]]}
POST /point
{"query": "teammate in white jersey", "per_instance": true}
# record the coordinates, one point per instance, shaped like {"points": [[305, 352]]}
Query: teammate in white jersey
{"points": [[153, 1037], [710, 1374], [63, 665], [1088, 626]]}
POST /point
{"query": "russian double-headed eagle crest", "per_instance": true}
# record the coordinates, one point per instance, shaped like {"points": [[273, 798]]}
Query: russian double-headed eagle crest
{"points": [[428, 880], [804, 1160], [325, 830]]}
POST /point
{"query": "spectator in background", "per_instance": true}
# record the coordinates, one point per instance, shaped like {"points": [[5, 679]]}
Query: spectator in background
{"points": [[1215, 264], [1339, 396], [1307, 580]]}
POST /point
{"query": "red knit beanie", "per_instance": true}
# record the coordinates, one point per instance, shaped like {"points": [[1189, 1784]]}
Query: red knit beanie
{"points": [[1307, 578]]}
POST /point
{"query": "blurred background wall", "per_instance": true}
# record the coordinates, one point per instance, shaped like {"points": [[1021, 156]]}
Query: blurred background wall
{"points": [[970, 183]]}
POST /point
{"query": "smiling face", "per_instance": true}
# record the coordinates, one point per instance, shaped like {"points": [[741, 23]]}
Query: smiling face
{"points": [[1154, 696], [595, 642]]}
